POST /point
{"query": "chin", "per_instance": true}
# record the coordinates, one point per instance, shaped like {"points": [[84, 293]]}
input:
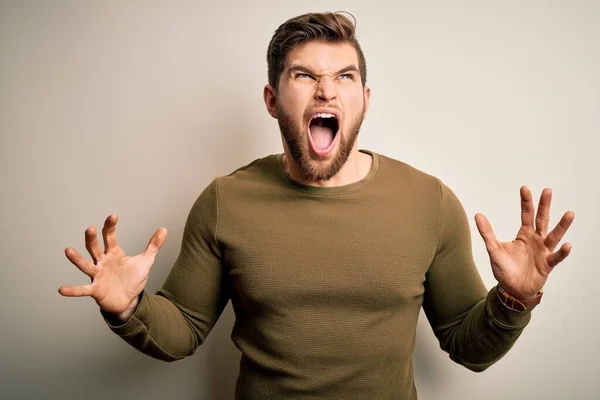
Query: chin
{"points": [[314, 167], [318, 164]]}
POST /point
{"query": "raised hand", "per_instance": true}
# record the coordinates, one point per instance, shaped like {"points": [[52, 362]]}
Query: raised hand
{"points": [[523, 265], [116, 279]]}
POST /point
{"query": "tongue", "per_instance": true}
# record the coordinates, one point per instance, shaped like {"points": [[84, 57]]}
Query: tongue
{"points": [[322, 136]]}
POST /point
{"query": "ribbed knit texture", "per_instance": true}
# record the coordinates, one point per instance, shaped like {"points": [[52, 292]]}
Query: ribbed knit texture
{"points": [[326, 283]]}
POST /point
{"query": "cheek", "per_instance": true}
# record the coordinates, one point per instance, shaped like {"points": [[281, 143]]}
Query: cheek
{"points": [[354, 104], [295, 107], [298, 94]]}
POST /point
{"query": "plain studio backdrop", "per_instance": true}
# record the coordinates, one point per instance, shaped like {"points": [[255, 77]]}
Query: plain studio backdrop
{"points": [[134, 107]]}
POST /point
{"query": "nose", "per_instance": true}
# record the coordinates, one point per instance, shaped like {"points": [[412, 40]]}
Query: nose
{"points": [[325, 89]]}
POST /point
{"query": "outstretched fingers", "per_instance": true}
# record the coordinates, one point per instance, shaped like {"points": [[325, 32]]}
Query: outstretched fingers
{"points": [[155, 243], [76, 291], [556, 235], [109, 232], [543, 213], [84, 265], [92, 244], [527, 209], [485, 230], [557, 257]]}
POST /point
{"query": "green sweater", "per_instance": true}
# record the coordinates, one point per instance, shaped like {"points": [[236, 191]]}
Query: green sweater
{"points": [[326, 283]]}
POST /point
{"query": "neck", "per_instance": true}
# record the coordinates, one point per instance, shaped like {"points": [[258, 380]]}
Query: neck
{"points": [[356, 168]]}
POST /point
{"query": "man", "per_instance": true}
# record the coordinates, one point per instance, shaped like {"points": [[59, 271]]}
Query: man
{"points": [[327, 252]]}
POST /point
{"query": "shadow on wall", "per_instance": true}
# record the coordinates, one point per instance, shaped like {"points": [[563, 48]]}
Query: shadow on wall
{"points": [[228, 147], [428, 373], [223, 358]]}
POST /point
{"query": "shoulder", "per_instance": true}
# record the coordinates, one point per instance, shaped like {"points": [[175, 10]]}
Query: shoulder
{"points": [[255, 175], [258, 166], [422, 186], [403, 176], [239, 185], [430, 194]]}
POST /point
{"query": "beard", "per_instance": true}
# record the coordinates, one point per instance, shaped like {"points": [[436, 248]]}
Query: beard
{"points": [[297, 141]]}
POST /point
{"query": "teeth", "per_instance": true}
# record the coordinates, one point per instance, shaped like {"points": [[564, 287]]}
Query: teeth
{"points": [[324, 115]]}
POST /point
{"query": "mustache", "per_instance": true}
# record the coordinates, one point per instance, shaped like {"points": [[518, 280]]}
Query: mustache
{"points": [[310, 110]]}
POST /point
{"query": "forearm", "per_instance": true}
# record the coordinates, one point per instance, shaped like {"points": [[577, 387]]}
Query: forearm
{"points": [[173, 323], [484, 334], [157, 328]]}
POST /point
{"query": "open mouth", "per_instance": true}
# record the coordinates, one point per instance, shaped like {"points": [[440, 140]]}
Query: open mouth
{"points": [[323, 129]]}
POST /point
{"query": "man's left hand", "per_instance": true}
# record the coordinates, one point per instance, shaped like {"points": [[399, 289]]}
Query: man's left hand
{"points": [[523, 265]]}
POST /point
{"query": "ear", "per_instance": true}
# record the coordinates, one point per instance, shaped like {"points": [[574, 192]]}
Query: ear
{"points": [[367, 96], [269, 95]]}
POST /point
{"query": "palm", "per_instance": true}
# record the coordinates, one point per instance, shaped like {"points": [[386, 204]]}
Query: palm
{"points": [[522, 266], [119, 280], [116, 279]]}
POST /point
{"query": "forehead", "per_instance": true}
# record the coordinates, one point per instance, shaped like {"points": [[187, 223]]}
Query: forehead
{"points": [[322, 56]]}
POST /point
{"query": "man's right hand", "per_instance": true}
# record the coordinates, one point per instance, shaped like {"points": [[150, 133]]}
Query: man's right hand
{"points": [[117, 279]]}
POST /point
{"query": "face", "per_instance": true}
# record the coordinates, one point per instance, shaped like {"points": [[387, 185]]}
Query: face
{"points": [[320, 106]]}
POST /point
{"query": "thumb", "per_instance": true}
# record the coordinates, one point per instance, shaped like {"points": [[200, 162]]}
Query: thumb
{"points": [[155, 243], [486, 232]]}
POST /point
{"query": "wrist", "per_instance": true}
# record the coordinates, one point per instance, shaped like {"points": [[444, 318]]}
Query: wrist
{"points": [[121, 318], [126, 315], [515, 303]]}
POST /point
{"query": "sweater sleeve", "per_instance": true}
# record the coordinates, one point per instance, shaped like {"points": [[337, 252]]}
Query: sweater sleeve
{"points": [[172, 323], [471, 324]]}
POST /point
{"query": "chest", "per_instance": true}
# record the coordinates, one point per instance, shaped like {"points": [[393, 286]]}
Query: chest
{"points": [[341, 254]]}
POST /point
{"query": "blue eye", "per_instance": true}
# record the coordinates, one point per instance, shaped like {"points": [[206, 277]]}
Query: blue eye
{"points": [[304, 76], [346, 76]]}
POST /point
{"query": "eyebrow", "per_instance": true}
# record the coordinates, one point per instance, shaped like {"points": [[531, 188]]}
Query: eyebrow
{"points": [[302, 68]]}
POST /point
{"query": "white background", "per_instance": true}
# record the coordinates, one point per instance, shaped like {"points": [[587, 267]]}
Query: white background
{"points": [[134, 107]]}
